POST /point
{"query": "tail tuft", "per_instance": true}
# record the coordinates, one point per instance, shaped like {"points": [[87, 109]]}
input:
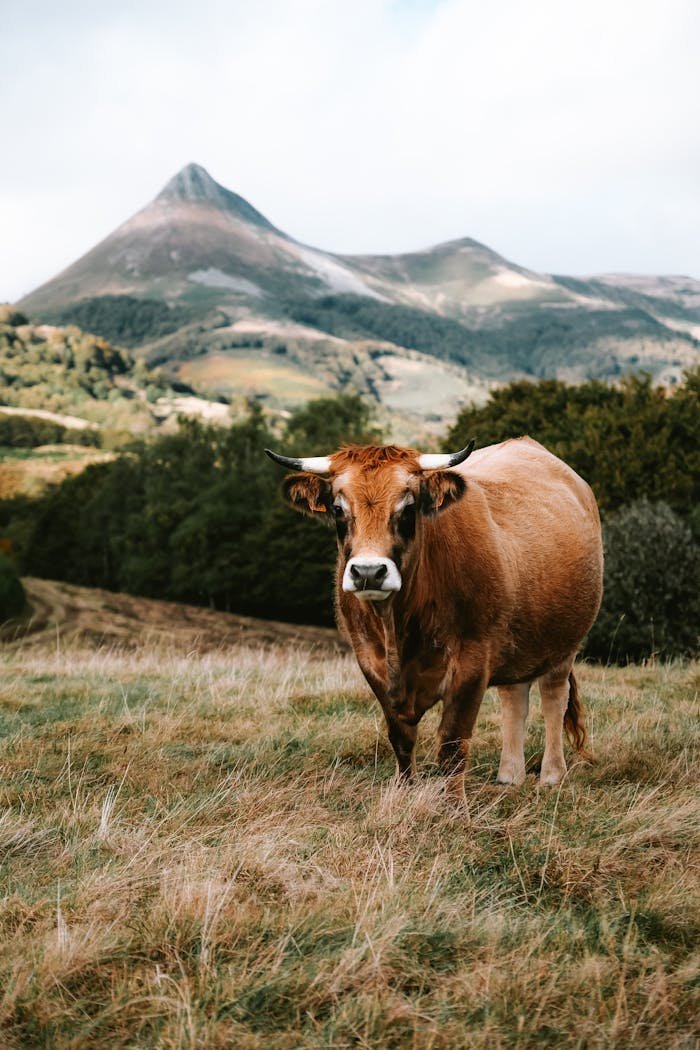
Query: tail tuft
{"points": [[574, 721]]}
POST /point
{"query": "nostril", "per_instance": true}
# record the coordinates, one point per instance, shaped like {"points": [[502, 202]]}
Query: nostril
{"points": [[367, 577]]}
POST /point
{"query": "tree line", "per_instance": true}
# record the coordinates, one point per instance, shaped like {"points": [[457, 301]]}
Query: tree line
{"points": [[32, 431], [123, 319], [197, 516]]}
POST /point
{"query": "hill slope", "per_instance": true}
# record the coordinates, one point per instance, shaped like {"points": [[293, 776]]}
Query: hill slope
{"points": [[92, 616], [62, 378], [200, 272]]}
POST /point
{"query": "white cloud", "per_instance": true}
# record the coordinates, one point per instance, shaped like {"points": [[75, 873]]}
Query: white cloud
{"points": [[563, 135]]}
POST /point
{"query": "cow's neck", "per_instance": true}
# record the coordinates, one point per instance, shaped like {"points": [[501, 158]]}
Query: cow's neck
{"points": [[433, 583], [392, 655]]}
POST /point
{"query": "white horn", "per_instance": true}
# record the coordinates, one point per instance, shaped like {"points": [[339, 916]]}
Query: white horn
{"points": [[317, 464], [445, 460], [314, 464]]}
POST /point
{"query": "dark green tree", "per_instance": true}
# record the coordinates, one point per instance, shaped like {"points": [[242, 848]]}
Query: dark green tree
{"points": [[627, 441], [651, 600], [12, 597], [195, 516], [327, 423]]}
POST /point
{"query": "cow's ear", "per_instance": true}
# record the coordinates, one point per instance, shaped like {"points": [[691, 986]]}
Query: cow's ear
{"points": [[439, 489], [307, 493]]}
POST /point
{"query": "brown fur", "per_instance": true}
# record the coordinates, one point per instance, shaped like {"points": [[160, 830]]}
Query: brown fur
{"points": [[372, 457], [500, 581]]}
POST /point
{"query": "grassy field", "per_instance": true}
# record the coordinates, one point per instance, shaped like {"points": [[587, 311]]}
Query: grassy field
{"points": [[235, 373], [210, 851], [27, 471]]}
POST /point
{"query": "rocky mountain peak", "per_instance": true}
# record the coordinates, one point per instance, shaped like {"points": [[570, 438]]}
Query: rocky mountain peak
{"points": [[194, 185]]}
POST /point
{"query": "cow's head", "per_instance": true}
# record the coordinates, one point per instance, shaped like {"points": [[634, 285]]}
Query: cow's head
{"points": [[376, 495]]}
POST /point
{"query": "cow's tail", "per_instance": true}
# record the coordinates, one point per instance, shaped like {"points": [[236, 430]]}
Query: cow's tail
{"points": [[574, 723]]}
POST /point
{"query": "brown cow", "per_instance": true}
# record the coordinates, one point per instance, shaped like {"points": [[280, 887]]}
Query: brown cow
{"points": [[454, 576]]}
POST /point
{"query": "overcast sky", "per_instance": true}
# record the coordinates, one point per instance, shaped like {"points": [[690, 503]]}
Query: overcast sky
{"points": [[566, 135]]}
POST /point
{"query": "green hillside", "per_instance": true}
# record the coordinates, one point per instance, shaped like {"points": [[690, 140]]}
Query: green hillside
{"points": [[66, 371]]}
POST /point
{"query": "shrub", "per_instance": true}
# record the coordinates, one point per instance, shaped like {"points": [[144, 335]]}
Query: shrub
{"points": [[12, 596], [30, 432], [651, 603], [11, 315]]}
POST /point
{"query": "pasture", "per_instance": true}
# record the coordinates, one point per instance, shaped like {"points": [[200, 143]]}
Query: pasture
{"points": [[207, 849], [27, 471], [237, 373]]}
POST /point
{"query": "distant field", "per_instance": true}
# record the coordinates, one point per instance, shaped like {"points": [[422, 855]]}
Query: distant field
{"points": [[249, 374], [207, 849], [27, 471]]}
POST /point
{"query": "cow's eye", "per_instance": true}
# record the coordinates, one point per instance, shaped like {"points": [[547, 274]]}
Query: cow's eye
{"points": [[341, 523], [407, 521]]}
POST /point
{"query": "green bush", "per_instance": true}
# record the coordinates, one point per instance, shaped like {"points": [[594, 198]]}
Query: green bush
{"points": [[651, 602], [9, 314], [627, 441], [12, 596]]}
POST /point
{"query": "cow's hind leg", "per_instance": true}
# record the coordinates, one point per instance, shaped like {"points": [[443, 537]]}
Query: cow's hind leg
{"points": [[554, 690], [515, 703]]}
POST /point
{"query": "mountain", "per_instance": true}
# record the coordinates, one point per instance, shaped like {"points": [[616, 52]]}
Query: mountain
{"points": [[198, 240], [203, 284]]}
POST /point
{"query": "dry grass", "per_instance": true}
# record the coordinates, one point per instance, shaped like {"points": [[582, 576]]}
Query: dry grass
{"points": [[210, 851]]}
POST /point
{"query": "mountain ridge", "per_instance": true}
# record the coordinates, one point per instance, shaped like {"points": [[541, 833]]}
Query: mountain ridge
{"points": [[230, 278]]}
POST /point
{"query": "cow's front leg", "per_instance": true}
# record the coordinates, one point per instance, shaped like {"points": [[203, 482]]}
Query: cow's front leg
{"points": [[402, 736], [373, 667], [402, 728], [459, 711]]}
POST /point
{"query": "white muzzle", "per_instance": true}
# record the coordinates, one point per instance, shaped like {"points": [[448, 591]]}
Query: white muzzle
{"points": [[371, 578]]}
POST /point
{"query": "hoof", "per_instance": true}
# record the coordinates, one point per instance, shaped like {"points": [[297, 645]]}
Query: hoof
{"points": [[552, 777], [514, 777]]}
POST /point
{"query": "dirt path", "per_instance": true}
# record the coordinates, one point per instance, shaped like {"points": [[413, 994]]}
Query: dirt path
{"points": [[62, 612]]}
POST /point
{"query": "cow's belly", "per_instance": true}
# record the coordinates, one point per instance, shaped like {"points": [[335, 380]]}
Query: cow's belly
{"points": [[535, 645]]}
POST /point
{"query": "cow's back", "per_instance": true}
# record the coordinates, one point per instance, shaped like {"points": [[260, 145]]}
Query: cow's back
{"points": [[539, 522], [525, 466], [524, 485]]}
